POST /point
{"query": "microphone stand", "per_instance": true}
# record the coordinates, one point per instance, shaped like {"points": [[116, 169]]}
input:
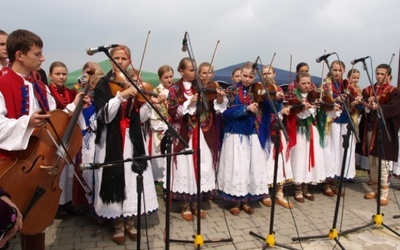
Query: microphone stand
{"points": [[139, 170], [333, 233], [200, 105], [378, 217], [270, 239]]}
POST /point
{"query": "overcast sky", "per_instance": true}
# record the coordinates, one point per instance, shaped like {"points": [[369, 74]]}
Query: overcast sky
{"points": [[245, 28]]}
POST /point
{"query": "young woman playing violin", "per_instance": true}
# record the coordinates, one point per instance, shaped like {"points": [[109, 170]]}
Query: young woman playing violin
{"points": [[72, 196], [284, 165], [306, 145], [157, 125], [242, 172], [182, 106], [337, 127], [354, 97], [91, 74], [119, 137]]}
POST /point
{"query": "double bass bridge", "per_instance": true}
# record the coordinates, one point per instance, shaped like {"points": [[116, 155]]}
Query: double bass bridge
{"points": [[52, 170]]}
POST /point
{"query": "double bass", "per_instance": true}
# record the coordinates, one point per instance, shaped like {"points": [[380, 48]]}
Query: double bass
{"points": [[32, 179]]}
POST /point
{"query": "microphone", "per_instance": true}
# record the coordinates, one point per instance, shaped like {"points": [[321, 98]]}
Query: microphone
{"points": [[92, 51], [89, 166], [362, 59], [321, 58], [184, 43]]}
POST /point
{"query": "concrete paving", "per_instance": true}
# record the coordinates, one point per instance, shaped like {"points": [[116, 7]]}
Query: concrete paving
{"points": [[310, 219]]}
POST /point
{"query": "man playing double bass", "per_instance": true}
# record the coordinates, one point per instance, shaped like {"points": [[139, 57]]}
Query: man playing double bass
{"points": [[24, 106]]}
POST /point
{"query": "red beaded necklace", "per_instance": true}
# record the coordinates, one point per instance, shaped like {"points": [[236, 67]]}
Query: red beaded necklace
{"points": [[244, 95], [189, 91]]}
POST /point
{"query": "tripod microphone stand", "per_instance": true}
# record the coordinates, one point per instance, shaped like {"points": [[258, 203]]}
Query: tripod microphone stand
{"points": [[137, 168], [333, 233], [201, 105], [270, 239]]}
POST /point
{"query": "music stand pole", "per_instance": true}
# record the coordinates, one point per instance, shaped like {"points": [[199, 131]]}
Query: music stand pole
{"points": [[168, 146], [139, 187]]}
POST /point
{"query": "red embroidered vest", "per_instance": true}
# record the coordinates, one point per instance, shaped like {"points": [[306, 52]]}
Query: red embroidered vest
{"points": [[16, 97]]}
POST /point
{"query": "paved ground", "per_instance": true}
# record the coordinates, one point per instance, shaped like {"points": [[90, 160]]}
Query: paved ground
{"points": [[304, 220]]}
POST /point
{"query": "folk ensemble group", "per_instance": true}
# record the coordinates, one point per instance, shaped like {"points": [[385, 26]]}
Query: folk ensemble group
{"points": [[235, 136]]}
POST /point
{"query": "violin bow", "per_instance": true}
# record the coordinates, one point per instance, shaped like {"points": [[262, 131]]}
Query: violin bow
{"points": [[144, 52], [322, 78], [139, 79], [290, 74], [269, 69], [212, 60], [290, 69]]}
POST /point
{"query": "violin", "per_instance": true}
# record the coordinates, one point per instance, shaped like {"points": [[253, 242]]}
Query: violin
{"points": [[350, 91], [295, 105], [211, 93], [259, 92], [326, 102], [369, 98], [313, 96], [118, 82]]}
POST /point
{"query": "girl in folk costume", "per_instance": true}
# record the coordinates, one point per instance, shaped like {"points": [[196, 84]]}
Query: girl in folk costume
{"points": [[58, 74], [306, 132], [119, 137], [353, 77], [284, 165], [235, 76], [182, 107], [206, 75], [335, 129], [246, 143], [300, 68], [89, 132], [157, 125], [353, 94], [73, 195]]}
